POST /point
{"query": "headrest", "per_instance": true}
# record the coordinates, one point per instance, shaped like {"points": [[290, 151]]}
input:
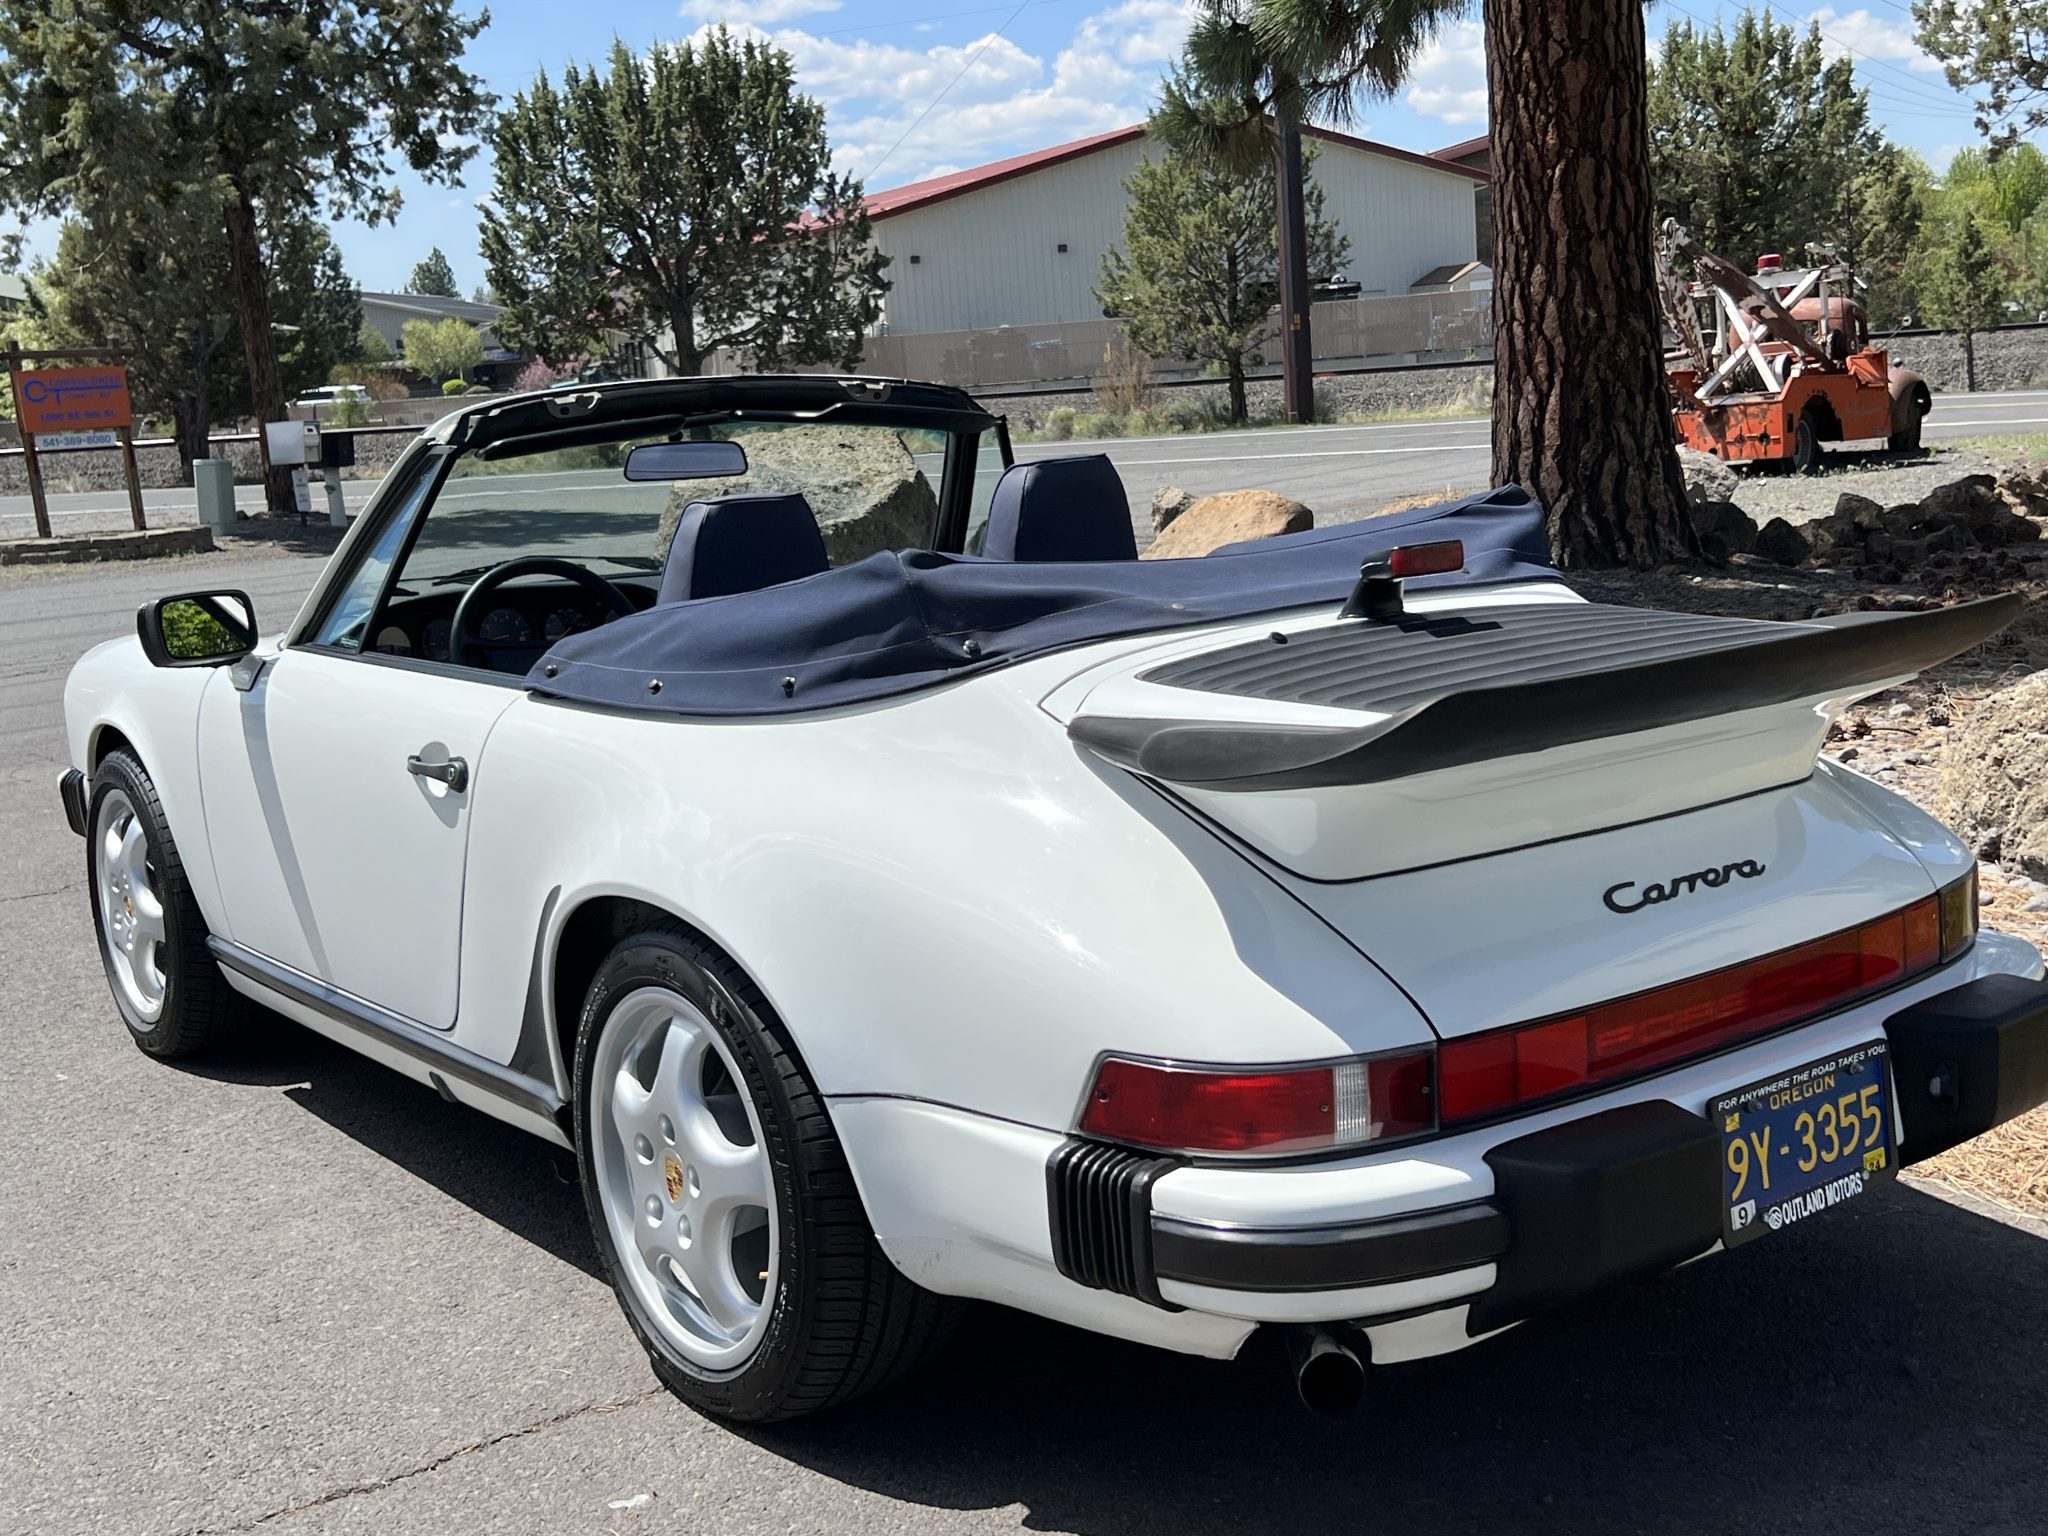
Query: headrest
{"points": [[728, 544], [1060, 509]]}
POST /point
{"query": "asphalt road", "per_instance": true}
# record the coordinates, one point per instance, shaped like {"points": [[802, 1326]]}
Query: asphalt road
{"points": [[1333, 469], [287, 1291]]}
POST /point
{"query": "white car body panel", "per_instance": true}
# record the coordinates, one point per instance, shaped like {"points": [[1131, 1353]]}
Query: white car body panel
{"points": [[369, 900]]}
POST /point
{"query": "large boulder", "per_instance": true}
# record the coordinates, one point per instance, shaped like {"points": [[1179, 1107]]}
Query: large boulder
{"points": [[1168, 502], [1230, 518], [1994, 777], [864, 485], [1724, 528], [1707, 479]]}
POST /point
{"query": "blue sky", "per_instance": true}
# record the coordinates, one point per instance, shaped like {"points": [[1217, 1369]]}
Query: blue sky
{"points": [[919, 87]]}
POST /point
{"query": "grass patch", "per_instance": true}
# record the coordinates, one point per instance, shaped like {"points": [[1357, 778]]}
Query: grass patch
{"points": [[1206, 412], [2032, 447]]}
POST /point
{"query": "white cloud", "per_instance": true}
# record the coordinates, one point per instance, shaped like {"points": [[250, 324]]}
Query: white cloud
{"points": [[1448, 80], [998, 99], [759, 12], [1874, 37]]}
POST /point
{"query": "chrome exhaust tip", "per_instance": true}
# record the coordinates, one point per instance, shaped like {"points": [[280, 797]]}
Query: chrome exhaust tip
{"points": [[1328, 1374]]}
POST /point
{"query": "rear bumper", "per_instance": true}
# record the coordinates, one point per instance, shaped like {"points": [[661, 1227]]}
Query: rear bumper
{"points": [[71, 789], [1623, 1192]]}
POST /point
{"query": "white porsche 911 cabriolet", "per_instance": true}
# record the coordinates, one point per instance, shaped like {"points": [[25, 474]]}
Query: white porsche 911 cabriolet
{"points": [[896, 892]]}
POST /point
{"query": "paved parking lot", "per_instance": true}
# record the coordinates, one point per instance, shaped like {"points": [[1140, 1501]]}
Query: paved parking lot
{"points": [[290, 1292]]}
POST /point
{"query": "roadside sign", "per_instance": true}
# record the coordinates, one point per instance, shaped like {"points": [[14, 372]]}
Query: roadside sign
{"points": [[58, 442], [73, 399], [86, 406]]}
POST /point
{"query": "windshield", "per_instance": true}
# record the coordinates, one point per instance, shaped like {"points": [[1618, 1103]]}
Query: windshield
{"points": [[870, 487]]}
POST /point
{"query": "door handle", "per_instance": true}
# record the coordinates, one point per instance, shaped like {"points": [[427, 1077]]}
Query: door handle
{"points": [[454, 773]]}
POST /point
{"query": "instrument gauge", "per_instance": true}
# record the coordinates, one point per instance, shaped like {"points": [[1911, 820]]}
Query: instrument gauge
{"points": [[505, 626], [564, 621]]}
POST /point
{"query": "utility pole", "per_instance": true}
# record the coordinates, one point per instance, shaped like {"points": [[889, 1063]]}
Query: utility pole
{"points": [[1297, 351]]}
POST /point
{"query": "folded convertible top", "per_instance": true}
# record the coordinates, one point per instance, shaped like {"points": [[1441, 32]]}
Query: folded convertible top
{"points": [[897, 622]]}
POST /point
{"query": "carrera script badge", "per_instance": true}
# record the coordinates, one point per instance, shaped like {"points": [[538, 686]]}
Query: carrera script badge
{"points": [[1629, 897]]}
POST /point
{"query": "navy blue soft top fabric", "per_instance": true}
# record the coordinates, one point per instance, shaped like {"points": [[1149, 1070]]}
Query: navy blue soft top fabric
{"points": [[905, 620]]}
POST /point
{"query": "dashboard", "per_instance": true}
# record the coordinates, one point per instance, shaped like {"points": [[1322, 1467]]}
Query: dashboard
{"points": [[522, 622]]}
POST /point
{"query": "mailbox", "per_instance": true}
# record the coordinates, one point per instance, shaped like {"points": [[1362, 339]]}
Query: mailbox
{"points": [[293, 443]]}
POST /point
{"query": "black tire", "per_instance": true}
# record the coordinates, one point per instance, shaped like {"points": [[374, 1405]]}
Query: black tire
{"points": [[844, 1321], [1807, 453], [200, 1012], [1907, 438]]}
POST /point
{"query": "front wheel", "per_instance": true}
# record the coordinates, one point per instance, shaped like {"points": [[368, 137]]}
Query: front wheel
{"points": [[722, 1204], [1906, 439], [152, 936]]}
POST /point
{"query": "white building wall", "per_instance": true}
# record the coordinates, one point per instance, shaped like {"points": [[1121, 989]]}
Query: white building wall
{"points": [[1403, 219], [991, 256]]}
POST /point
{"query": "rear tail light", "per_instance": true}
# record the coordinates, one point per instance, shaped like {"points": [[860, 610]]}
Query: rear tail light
{"points": [[1240, 1110], [1958, 914], [1359, 1101], [1481, 1076]]}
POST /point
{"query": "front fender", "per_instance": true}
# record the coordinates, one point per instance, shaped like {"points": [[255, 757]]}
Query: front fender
{"points": [[113, 690]]}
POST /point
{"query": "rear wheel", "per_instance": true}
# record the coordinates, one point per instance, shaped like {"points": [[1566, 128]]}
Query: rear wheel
{"points": [[1807, 453], [721, 1201], [152, 936]]}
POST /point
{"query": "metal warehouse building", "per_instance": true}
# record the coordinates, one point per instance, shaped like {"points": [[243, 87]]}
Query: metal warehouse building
{"points": [[1020, 242]]}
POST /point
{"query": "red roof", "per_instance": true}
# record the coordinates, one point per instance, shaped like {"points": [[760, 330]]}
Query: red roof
{"points": [[920, 194], [1463, 148]]}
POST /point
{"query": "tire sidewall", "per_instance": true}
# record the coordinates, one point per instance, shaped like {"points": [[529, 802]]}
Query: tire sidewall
{"points": [[662, 960], [118, 771]]}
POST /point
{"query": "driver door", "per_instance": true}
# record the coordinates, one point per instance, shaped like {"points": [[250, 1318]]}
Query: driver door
{"points": [[338, 792]]}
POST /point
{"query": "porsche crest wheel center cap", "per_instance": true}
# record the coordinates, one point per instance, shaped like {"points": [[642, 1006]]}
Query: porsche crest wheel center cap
{"points": [[672, 1176]]}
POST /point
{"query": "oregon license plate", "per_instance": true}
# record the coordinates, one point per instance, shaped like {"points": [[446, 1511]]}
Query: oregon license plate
{"points": [[1803, 1142]]}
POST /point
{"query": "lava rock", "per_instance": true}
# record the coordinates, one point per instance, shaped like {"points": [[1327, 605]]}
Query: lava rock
{"points": [[1778, 541]]}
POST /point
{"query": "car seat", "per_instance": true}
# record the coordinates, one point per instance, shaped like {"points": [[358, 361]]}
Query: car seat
{"points": [[727, 544], [1060, 509]]}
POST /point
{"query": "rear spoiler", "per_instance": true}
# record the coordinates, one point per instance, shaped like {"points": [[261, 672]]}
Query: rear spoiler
{"points": [[1839, 656]]}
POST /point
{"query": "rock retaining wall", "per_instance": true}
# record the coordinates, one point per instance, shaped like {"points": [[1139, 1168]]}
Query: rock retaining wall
{"points": [[99, 469]]}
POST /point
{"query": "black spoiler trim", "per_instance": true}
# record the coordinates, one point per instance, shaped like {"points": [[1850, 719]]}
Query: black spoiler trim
{"points": [[1814, 659]]}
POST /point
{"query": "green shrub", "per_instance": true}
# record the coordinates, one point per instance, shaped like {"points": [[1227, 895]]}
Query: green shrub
{"points": [[454, 386], [1097, 424], [1059, 425], [1198, 411]]}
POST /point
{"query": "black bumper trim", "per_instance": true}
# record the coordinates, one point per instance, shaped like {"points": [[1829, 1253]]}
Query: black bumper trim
{"points": [[1968, 1059], [71, 790], [1331, 1258]]}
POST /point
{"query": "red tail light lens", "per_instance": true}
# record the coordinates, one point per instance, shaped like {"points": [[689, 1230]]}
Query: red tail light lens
{"points": [[1265, 1109], [1427, 559], [1509, 1069]]}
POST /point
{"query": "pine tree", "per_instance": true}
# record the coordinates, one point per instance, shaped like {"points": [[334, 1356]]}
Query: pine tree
{"points": [[274, 109], [434, 277], [1581, 411], [1968, 288], [1199, 268], [689, 194]]}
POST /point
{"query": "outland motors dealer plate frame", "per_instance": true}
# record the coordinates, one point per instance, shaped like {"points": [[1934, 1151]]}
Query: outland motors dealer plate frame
{"points": [[1804, 1141]]}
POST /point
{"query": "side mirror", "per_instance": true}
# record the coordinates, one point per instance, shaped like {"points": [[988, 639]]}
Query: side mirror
{"points": [[709, 459], [197, 629]]}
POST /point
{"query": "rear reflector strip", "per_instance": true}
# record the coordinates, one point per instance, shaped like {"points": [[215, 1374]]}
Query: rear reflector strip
{"points": [[1481, 1076]]}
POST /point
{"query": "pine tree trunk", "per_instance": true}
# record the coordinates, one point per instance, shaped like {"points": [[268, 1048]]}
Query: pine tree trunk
{"points": [[1238, 409], [252, 310], [1581, 417], [1970, 361], [1297, 350]]}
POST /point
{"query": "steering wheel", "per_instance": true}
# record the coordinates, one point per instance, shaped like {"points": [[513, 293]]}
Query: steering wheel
{"points": [[459, 634]]}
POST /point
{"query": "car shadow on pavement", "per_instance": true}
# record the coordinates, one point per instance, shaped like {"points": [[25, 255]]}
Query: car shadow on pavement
{"points": [[1885, 1371], [503, 1174]]}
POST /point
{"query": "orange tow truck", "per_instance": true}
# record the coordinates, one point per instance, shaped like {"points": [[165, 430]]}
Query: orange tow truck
{"points": [[1775, 366]]}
